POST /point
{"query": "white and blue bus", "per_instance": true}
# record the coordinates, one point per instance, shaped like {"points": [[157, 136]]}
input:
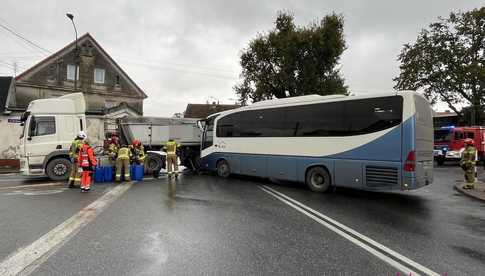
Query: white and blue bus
{"points": [[378, 142]]}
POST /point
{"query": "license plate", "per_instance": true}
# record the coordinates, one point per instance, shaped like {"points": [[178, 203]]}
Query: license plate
{"points": [[437, 152]]}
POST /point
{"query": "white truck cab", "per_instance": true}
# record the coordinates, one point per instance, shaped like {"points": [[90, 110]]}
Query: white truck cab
{"points": [[50, 126]]}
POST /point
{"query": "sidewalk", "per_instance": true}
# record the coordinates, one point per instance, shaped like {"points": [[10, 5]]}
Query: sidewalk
{"points": [[477, 193]]}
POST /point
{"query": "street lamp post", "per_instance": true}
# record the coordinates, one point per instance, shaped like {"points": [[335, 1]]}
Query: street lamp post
{"points": [[76, 53]]}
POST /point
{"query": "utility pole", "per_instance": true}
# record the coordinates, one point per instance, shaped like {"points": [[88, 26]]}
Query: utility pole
{"points": [[15, 66], [76, 52]]}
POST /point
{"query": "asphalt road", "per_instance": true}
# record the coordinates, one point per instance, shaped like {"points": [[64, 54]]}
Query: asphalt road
{"points": [[216, 226]]}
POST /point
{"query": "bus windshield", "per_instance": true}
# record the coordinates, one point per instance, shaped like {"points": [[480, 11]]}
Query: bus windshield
{"points": [[442, 135]]}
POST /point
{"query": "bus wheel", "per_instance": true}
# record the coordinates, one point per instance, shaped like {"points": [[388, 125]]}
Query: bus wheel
{"points": [[318, 180], [223, 169], [58, 169]]}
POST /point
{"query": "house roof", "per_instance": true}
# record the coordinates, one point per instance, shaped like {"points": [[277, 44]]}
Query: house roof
{"points": [[121, 106], [204, 110], [5, 83], [70, 47]]}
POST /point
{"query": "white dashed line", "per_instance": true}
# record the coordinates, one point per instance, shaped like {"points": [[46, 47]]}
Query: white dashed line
{"points": [[30, 186], [26, 259]]}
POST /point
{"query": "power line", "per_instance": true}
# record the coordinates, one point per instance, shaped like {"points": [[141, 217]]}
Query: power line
{"points": [[24, 38], [13, 64], [168, 68], [219, 69]]}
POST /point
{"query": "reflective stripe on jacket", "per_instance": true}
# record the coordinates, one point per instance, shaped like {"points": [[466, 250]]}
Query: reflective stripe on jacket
{"points": [[86, 156], [112, 151], [124, 153], [171, 147], [138, 152], [468, 156], [75, 146]]}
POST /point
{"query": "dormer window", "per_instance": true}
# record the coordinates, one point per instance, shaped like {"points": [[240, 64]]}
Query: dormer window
{"points": [[99, 75]]}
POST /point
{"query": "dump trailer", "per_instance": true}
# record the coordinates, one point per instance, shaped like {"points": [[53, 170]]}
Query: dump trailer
{"points": [[154, 132], [50, 125]]}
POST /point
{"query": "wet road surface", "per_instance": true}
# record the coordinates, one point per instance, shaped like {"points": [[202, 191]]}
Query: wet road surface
{"points": [[232, 226]]}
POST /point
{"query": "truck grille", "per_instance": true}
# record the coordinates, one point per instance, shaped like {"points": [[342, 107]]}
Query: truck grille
{"points": [[376, 176]]}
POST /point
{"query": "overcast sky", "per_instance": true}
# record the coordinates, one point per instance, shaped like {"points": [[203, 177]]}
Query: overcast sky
{"points": [[183, 52]]}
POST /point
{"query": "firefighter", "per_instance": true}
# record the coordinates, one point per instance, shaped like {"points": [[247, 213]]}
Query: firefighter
{"points": [[468, 162], [113, 145], [123, 163], [172, 162], [87, 162], [74, 176], [137, 152]]}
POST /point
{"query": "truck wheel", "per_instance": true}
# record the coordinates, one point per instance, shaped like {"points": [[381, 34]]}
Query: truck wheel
{"points": [[318, 180], [58, 169], [154, 163], [223, 169]]}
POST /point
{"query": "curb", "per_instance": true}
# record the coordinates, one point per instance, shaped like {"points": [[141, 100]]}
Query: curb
{"points": [[478, 193]]}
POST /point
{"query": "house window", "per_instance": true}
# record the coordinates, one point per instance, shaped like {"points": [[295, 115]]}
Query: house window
{"points": [[99, 75], [70, 72]]}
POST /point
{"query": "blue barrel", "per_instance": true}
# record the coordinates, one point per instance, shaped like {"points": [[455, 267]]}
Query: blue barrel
{"points": [[136, 172], [108, 173], [139, 172], [98, 175]]}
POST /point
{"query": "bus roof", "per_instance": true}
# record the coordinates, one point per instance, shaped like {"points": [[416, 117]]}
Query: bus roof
{"points": [[309, 99]]}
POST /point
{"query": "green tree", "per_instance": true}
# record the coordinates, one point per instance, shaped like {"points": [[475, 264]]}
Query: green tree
{"points": [[447, 62], [293, 61]]}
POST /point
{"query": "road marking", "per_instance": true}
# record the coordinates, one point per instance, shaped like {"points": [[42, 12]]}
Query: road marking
{"points": [[30, 186], [398, 261], [22, 179], [36, 192], [28, 258]]}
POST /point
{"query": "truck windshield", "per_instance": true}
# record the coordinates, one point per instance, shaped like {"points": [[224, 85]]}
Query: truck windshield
{"points": [[442, 135]]}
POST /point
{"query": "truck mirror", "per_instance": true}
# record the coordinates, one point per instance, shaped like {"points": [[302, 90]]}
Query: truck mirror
{"points": [[29, 138], [201, 124]]}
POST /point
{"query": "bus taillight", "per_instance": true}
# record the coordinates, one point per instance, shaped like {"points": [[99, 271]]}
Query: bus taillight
{"points": [[409, 164]]}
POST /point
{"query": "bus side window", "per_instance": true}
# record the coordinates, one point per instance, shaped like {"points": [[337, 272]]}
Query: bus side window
{"points": [[470, 135], [459, 135]]}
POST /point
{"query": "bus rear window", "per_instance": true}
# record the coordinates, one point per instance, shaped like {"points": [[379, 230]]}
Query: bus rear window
{"points": [[442, 135]]}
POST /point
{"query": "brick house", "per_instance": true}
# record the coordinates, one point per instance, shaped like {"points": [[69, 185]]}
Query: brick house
{"points": [[108, 90]]}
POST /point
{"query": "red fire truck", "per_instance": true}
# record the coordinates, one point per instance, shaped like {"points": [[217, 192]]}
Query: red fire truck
{"points": [[449, 142]]}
